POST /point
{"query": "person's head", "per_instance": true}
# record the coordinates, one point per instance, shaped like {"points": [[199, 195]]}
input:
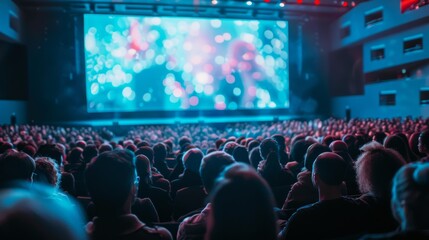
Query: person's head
{"points": [[75, 155], [192, 160], [211, 166], [313, 151], [338, 146], [105, 147], [253, 144], [16, 166], [267, 146], [423, 143], [375, 169], [396, 143], [147, 151], [89, 152], [298, 150], [240, 154], [184, 140], [410, 197], [281, 142], [143, 168], [6, 146], [47, 172], [255, 157], [329, 169], [229, 147], [29, 149], [53, 151], [26, 213], [159, 152], [242, 206], [111, 181]]}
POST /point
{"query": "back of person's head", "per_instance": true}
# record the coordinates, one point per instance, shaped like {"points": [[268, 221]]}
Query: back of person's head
{"points": [[16, 166], [89, 152], [26, 213], [219, 143], [298, 150], [413, 143], [53, 151], [255, 157], [192, 160], [47, 172], [271, 167], [253, 144], [375, 169], [30, 150], [143, 168], [6, 146], [229, 147], [75, 155], [159, 152], [330, 168], [379, 137], [212, 165], [240, 154], [327, 140], [423, 142], [242, 206], [143, 144], [81, 144], [396, 143], [147, 151], [410, 196], [313, 151], [184, 140], [105, 147], [267, 146], [280, 139], [110, 178], [338, 146]]}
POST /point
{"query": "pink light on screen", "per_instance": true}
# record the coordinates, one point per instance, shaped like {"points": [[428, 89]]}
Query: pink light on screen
{"points": [[193, 101]]}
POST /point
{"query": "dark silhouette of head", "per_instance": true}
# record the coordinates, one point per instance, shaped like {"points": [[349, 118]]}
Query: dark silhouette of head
{"points": [[212, 165], [110, 180], [16, 166], [313, 152], [242, 206], [240, 154]]}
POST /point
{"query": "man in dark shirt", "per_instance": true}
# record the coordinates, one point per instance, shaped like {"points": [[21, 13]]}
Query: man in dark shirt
{"points": [[112, 184], [333, 216]]}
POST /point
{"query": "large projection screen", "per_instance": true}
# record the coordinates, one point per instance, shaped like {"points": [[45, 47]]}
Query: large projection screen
{"points": [[138, 63]]}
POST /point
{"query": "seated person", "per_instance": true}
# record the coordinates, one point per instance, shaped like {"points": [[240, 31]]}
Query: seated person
{"points": [[333, 216], [112, 185], [410, 203]]}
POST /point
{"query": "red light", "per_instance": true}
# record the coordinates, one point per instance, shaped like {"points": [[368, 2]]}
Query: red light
{"points": [[317, 2], [299, 1], [344, 3], [267, 1]]}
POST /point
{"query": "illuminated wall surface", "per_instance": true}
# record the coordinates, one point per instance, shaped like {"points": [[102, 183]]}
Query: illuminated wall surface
{"points": [[172, 63]]}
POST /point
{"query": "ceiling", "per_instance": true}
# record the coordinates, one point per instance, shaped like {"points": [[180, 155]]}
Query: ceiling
{"points": [[260, 9]]}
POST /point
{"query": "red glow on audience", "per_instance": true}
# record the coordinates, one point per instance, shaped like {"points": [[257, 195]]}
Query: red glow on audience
{"points": [[317, 2], [344, 3], [299, 1], [267, 1]]}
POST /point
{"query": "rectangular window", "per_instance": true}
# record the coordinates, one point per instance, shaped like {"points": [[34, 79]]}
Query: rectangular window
{"points": [[373, 17], [387, 98], [377, 53], [345, 31], [413, 44], [424, 96]]}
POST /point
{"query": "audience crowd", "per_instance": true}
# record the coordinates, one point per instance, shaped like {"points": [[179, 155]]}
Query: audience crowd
{"points": [[317, 179]]}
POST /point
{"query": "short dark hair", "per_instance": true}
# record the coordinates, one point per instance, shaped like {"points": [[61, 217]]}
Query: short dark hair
{"points": [[313, 152], [268, 145], [147, 151], [212, 165], [53, 151], [330, 167], [15, 166], [109, 178]]}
